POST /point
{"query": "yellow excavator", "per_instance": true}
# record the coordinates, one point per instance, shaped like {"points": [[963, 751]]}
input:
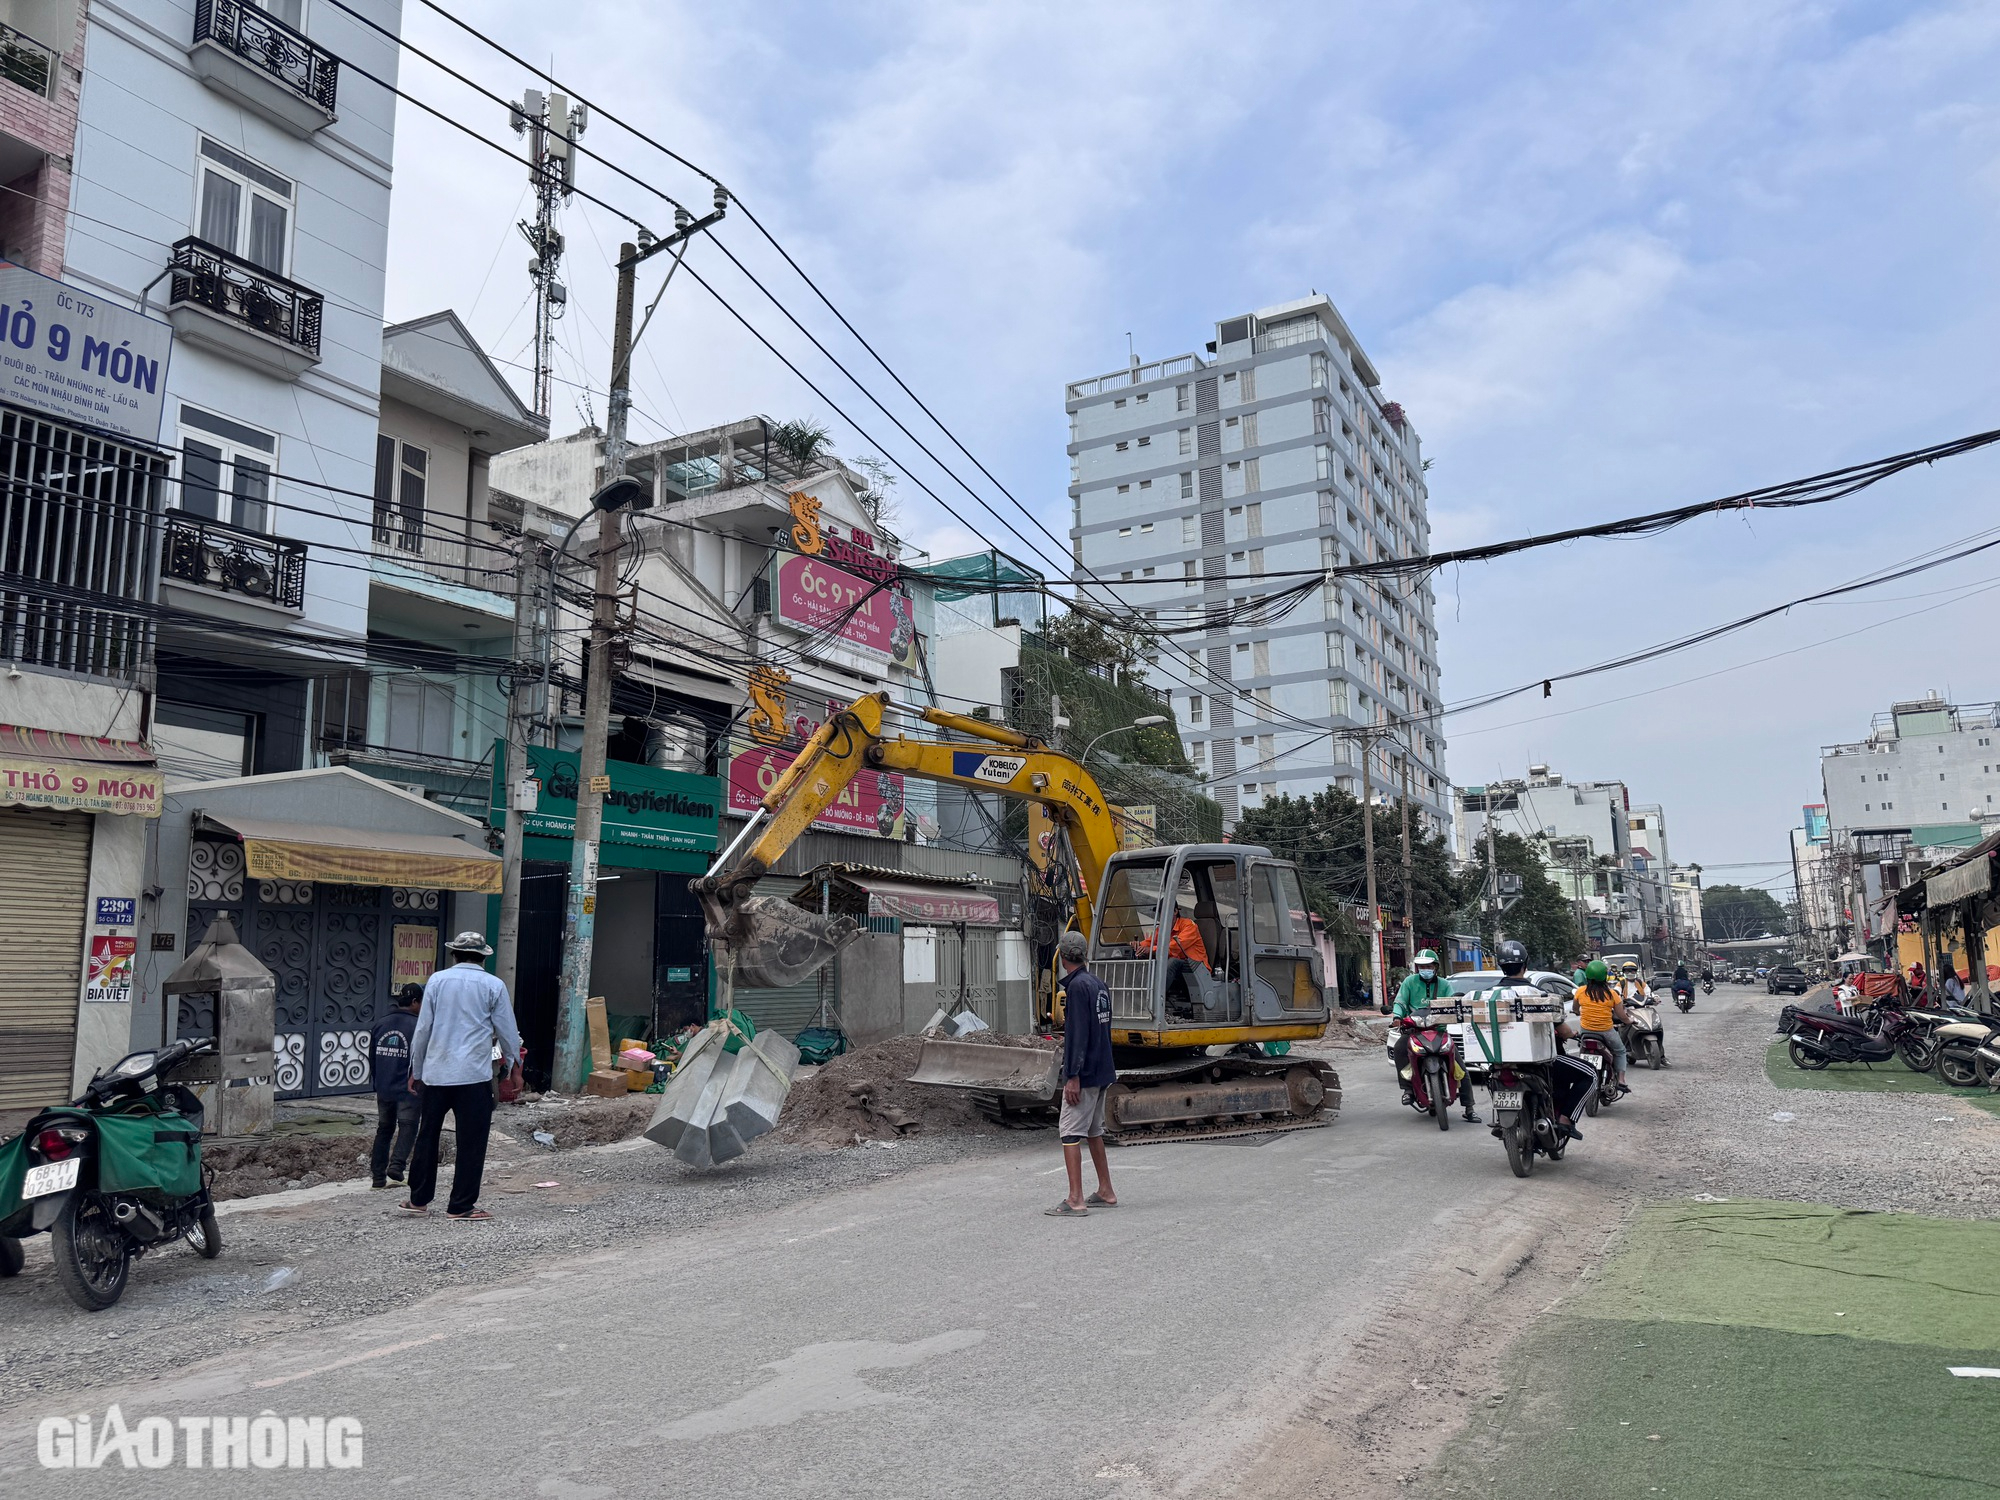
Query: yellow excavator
{"points": [[1240, 965]]}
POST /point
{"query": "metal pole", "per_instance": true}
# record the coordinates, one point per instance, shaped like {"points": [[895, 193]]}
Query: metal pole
{"points": [[1377, 992], [1492, 872], [580, 911], [1409, 898], [507, 947]]}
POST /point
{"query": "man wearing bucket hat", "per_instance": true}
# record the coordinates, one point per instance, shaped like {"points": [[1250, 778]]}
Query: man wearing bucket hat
{"points": [[451, 1067]]}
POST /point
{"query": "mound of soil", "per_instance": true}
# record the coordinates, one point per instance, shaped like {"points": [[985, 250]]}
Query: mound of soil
{"points": [[581, 1120], [866, 1095], [243, 1169]]}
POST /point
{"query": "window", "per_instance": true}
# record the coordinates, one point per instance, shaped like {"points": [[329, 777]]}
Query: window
{"points": [[1123, 446], [1124, 489], [399, 492], [1146, 572], [1146, 526], [1142, 398], [244, 208], [1118, 403], [1146, 484], [1124, 530], [1145, 442], [1187, 574], [1198, 752], [1126, 576], [203, 744], [1180, 398], [1190, 530], [291, 12], [1194, 710], [1187, 486], [1186, 435], [226, 469], [421, 711]]}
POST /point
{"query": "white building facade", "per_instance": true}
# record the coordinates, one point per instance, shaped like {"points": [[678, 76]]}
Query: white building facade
{"points": [[1201, 481]]}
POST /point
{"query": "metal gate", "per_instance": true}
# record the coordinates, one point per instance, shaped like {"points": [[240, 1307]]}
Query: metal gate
{"points": [[44, 880], [331, 949], [980, 947]]}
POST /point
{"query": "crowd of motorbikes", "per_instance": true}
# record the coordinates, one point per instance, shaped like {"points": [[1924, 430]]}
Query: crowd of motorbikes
{"points": [[1927, 1034], [1534, 1098]]}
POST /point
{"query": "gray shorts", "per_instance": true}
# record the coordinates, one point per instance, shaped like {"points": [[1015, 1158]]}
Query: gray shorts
{"points": [[1083, 1119]]}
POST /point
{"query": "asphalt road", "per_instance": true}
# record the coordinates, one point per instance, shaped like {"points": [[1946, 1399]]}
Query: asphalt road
{"points": [[932, 1334]]}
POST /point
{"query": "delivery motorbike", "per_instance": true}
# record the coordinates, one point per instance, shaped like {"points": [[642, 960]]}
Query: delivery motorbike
{"points": [[111, 1175], [1524, 1114], [1432, 1075]]}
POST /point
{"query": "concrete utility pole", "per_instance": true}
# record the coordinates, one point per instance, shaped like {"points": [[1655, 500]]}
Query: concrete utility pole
{"points": [[580, 909], [1409, 868], [527, 622], [1492, 871], [1377, 991]]}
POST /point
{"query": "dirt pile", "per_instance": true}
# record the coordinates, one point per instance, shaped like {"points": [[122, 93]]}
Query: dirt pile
{"points": [[866, 1095], [583, 1120], [1347, 1029], [244, 1169]]}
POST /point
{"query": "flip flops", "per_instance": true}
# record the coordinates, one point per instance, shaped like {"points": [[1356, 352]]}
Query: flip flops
{"points": [[1062, 1210], [413, 1211], [1097, 1200], [477, 1216]]}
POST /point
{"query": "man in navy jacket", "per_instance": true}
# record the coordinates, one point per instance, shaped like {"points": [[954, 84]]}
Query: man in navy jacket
{"points": [[1087, 1073]]}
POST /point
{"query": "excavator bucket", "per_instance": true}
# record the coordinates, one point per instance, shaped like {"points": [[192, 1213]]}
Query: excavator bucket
{"points": [[773, 942], [989, 1068]]}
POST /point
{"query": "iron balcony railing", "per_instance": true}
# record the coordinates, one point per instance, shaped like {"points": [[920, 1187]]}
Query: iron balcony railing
{"points": [[265, 42], [215, 555], [206, 275], [79, 519], [25, 61]]}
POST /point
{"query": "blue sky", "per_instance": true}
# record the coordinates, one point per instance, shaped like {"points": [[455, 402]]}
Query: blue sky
{"points": [[1608, 257]]}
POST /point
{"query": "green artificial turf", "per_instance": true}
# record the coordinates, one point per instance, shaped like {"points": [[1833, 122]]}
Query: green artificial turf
{"points": [[1883, 1078], [1779, 1350]]}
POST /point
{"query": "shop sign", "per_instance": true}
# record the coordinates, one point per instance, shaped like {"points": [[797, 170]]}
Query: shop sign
{"points": [[109, 977], [645, 807], [117, 911], [871, 803], [875, 617], [919, 904], [81, 357], [412, 954], [680, 976], [1138, 826], [79, 786]]}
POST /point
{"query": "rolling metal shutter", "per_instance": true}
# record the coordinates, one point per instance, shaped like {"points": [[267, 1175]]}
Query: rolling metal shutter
{"points": [[44, 881]]}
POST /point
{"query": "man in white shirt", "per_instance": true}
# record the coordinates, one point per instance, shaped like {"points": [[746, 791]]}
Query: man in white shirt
{"points": [[465, 1010]]}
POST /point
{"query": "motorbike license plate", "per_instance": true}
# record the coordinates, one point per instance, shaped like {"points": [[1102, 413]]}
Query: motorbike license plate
{"points": [[50, 1177], [1507, 1098]]}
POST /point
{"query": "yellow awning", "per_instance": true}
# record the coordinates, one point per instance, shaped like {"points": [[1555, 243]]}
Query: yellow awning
{"points": [[277, 850]]}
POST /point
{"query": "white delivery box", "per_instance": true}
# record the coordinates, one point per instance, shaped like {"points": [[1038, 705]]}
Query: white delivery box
{"points": [[1519, 1042], [1519, 1022]]}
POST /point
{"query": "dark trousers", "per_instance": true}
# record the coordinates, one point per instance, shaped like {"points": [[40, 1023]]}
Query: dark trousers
{"points": [[1572, 1079], [471, 1108], [395, 1120]]}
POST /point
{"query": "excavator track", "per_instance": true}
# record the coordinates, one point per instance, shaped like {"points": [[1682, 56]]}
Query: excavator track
{"points": [[1196, 1099]]}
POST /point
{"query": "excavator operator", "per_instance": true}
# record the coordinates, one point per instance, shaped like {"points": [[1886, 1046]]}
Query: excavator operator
{"points": [[1185, 947]]}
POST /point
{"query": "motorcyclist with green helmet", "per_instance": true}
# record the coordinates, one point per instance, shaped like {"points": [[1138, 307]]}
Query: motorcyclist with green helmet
{"points": [[1424, 984]]}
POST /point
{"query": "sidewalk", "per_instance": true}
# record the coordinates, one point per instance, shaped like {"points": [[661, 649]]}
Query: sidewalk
{"points": [[1777, 1349]]}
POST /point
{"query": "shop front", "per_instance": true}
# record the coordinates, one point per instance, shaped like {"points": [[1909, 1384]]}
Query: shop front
{"points": [[73, 814], [345, 887], [648, 961]]}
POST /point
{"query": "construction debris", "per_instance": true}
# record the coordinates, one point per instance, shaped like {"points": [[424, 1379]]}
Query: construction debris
{"points": [[865, 1097]]}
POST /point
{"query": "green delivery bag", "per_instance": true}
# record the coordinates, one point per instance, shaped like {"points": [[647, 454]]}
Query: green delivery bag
{"points": [[137, 1152], [13, 1167]]}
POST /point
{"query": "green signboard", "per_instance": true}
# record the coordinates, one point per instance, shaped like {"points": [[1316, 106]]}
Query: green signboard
{"points": [[647, 811]]}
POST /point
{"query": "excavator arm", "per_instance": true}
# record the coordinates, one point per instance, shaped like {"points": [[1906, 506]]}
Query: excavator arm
{"points": [[775, 943]]}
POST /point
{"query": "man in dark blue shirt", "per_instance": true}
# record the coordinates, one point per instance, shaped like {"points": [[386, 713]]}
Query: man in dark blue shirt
{"points": [[397, 1110], [1087, 1073]]}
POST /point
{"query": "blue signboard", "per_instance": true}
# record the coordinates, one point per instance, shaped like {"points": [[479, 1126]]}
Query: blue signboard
{"points": [[117, 911]]}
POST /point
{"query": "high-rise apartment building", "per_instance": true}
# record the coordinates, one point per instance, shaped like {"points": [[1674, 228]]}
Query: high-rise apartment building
{"points": [[1207, 480]]}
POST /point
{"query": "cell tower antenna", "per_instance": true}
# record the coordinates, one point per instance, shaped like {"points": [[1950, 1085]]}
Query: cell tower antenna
{"points": [[551, 125]]}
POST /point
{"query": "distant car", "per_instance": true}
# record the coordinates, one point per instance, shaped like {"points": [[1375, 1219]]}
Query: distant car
{"points": [[1559, 985], [1787, 979]]}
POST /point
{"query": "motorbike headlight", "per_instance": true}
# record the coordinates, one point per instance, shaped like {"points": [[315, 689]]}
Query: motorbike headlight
{"points": [[135, 1066]]}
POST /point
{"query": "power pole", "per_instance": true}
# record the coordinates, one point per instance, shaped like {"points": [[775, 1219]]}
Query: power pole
{"points": [[1409, 867], [514, 772], [1492, 871], [580, 908], [552, 125], [1375, 976]]}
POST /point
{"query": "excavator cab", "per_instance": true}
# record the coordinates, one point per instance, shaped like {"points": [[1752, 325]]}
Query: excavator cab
{"points": [[1206, 937]]}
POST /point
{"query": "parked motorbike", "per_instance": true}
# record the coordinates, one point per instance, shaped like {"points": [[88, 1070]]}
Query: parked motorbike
{"points": [[1645, 1036], [1915, 1032], [1819, 1038], [1968, 1053], [111, 1175], [1433, 1075]]}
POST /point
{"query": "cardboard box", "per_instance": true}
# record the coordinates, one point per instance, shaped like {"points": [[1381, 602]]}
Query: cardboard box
{"points": [[1520, 1041], [599, 1031], [638, 1082], [608, 1083]]}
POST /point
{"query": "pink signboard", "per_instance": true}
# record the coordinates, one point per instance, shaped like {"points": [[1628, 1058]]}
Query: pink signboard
{"points": [[868, 615], [872, 802]]}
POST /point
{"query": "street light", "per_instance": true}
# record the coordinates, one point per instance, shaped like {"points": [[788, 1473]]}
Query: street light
{"points": [[1142, 723]]}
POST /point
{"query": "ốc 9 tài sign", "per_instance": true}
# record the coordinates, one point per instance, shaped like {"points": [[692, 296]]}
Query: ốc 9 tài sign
{"points": [[645, 807], [81, 357], [868, 611]]}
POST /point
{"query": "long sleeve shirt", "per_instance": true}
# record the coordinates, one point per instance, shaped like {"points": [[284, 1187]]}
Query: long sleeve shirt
{"points": [[465, 1011]]}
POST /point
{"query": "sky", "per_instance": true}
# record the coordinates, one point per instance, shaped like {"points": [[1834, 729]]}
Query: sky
{"points": [[1609, 259]]}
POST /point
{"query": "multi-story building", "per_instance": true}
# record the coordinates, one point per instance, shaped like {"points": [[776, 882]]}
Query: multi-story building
{"points": [[1205, 481], [1583, 831]]}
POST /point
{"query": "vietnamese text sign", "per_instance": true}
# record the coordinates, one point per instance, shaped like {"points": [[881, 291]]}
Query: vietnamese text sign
{"points": [[871, 803], [412, 954], [110, 974], [117, 911], [645, 806], [81, 357], [79, 785], [873, 617]]}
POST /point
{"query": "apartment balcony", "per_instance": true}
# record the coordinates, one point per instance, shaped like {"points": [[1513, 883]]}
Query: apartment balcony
{"points": [[228, 560], [428, 582], [27, 64], [238, 309], [249, 55]]}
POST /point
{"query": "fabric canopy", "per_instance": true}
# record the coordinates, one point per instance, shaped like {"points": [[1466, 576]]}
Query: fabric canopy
{"points": [[276, 850]]}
